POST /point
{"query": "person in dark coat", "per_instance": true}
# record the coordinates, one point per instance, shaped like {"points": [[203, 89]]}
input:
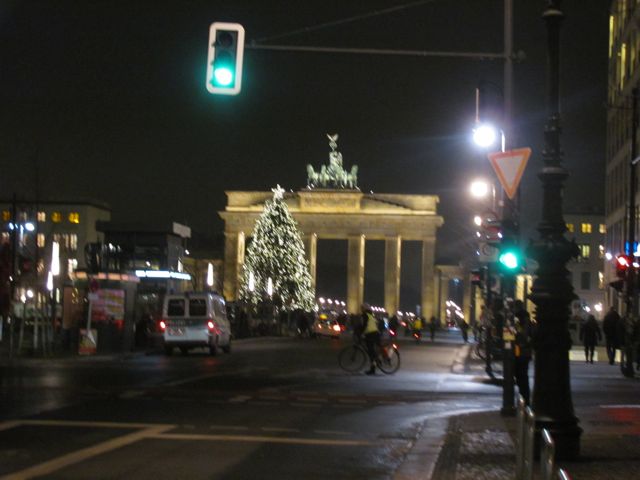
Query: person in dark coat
{"points": [[610, 330], [522, 355], [590, 335]]}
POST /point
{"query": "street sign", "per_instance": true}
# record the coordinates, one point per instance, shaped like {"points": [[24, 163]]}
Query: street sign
{"points": [[509, 166], [487, 253]]}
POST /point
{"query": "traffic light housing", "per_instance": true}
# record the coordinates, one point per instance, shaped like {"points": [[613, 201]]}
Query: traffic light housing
{"points": [[477, 277], [510, 258], [224, 62], [623, 264]]}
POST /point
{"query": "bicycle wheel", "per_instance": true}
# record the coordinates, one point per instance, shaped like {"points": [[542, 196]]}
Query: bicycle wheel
{"points": [[352, 358], [480, 350], [390, 363]]}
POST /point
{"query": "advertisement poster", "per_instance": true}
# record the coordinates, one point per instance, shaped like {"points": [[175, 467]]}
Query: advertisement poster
{"points": [[107, 305], [88, 342]]}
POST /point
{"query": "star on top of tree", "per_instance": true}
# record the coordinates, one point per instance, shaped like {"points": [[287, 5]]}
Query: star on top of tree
{"points": [[278, 192]]}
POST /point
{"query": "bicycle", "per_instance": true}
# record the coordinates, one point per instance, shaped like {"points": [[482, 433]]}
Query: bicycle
{"points": [[353, 358]]}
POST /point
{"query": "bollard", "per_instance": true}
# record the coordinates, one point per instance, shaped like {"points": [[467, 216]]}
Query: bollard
{"points": [[547, 456], [530, 427], [563, 475], [520, 438]]}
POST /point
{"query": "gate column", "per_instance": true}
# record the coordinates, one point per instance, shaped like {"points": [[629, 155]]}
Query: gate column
{"points": [[392, 249], [311, 250], [428, 270], [233, 261], [355, 273]]}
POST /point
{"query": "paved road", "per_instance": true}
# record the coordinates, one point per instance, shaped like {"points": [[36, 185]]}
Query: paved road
{"points": [[275, 408]]}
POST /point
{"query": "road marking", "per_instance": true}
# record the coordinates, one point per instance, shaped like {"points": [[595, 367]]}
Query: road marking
{"points": [[331, 432], [9, 424], [296, 404], [279, 429], [228, 427], [92, 424], [63, 461], [620, 406], [260, 439]]}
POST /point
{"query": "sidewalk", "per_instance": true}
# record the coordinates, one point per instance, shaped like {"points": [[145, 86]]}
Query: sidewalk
{"points": [[481, 446]]}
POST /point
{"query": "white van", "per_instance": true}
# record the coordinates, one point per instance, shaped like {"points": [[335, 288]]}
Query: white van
{"points": [[192, 320]]}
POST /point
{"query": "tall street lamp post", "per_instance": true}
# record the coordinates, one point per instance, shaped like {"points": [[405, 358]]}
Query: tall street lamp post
{"points": [[552, 291]]}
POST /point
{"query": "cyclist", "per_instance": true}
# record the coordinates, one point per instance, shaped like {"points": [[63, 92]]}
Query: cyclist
{"points": [[371, 336]]}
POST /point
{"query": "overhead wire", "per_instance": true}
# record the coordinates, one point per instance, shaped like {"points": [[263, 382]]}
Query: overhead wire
{"points": [[343, 21]]}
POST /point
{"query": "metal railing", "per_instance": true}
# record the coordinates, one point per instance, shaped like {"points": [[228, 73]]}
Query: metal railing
{"points": [[525, 438]]}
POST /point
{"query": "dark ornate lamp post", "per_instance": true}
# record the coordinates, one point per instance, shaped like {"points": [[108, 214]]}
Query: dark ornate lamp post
{"points": [[552, 291]]}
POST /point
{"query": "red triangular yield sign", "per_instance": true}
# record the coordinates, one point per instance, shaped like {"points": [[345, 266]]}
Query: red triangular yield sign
{"points": [[509, 167]]}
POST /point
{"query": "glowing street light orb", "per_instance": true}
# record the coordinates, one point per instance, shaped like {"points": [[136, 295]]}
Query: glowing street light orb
{"points": [[477, 220], [479, 189], [485, 135]]}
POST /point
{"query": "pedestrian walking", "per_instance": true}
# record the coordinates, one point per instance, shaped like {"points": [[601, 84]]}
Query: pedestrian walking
{"points": [[610, 330], [590, 335], [432, 327], [522, 355], [464, 329]]}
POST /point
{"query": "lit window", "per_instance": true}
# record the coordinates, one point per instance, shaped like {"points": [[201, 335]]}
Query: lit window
{"points": [[41, 240], [602, 228], [74, 217], [5, 237], [6, 215], [56, 217], [585, 228], [585, 250], [600, 251], [600, 280], [72, 265], [73, 242], [42, 217], [570, 227]]}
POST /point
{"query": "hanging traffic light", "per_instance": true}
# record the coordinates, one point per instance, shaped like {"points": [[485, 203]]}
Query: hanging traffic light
{"points": [[623, 263], [224, 62], [510, 258]]}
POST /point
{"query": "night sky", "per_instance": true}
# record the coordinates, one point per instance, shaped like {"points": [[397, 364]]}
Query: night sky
{"points": [[106, 100]]}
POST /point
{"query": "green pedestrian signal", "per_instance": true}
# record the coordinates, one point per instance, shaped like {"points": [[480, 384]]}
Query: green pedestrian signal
{"points": [[224, 63]]}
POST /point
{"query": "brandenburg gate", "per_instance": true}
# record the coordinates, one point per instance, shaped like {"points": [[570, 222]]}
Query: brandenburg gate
{"points": [[332, 207]]}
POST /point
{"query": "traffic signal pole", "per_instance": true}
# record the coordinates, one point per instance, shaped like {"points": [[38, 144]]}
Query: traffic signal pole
{"points": [[630, 284]]}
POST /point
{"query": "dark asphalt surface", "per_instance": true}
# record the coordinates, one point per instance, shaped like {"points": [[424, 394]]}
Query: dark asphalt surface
{"points": [[276, 408]]}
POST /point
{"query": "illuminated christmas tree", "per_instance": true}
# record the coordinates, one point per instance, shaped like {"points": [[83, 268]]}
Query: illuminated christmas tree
{"points": [[275, 262]]}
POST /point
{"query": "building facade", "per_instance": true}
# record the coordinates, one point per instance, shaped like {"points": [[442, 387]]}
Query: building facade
{"points": [[587, 270], [623, 78], [37, 225]]}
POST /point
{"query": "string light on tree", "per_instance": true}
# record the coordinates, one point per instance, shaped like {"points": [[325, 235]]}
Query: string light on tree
{"points": [[276, 253]]}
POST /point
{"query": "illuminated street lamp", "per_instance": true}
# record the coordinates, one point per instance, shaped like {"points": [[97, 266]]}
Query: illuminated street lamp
{"points": [[210, 275]]}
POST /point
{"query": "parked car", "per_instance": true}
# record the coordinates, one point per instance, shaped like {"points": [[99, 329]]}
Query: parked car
{"points": [[192, 320], [327, 327]]}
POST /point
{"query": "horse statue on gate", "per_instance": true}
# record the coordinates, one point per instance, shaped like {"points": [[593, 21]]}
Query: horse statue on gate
{"points": [[333, 175]]}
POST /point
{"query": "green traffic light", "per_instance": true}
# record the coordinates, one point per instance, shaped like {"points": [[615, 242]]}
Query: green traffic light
{"points": [[223, 76], [510, 260]]}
